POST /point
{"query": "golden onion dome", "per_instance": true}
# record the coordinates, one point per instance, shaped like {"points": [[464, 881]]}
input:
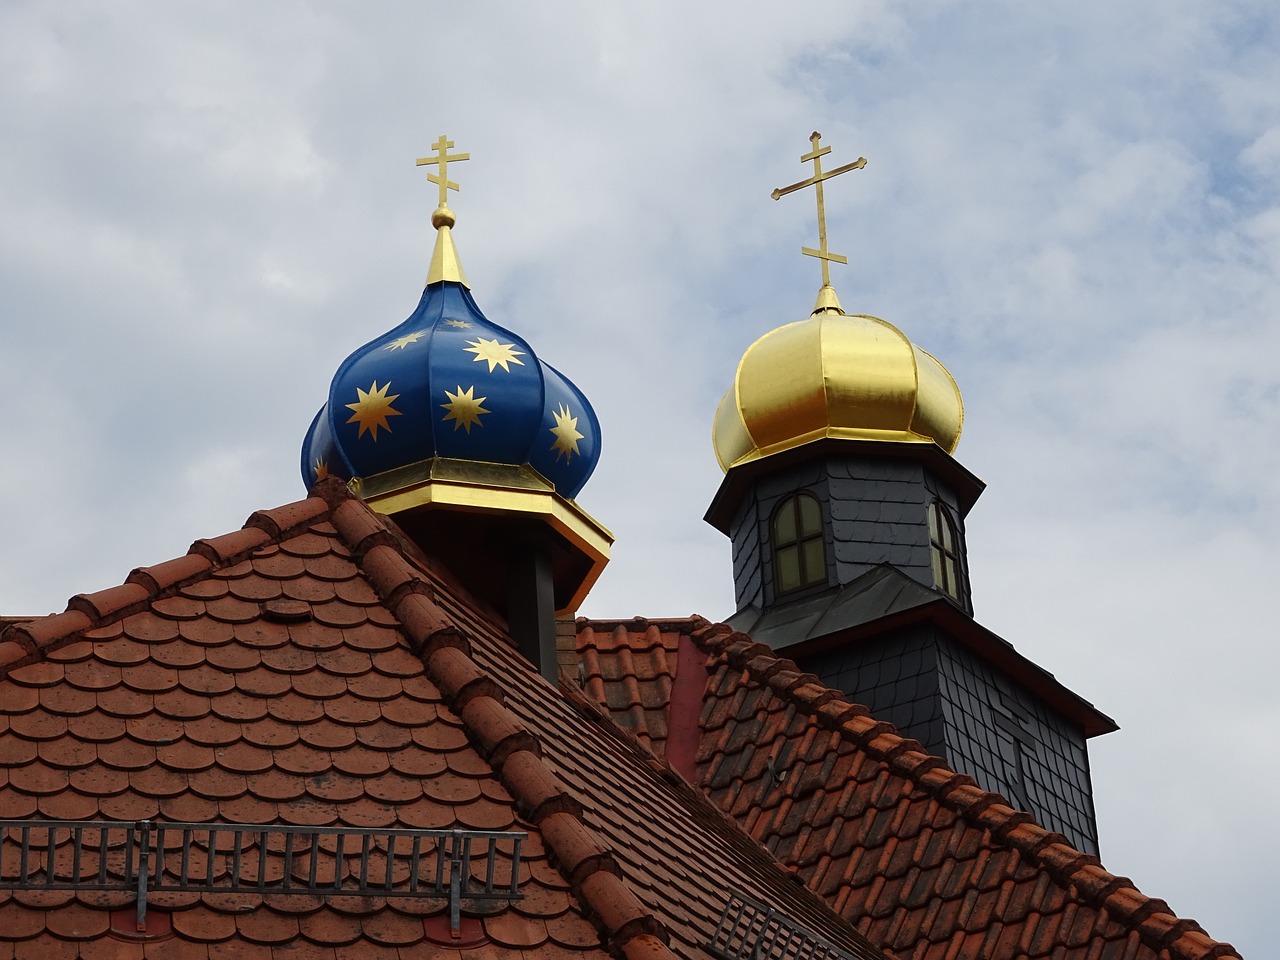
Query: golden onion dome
{"points": [[835, 375]]}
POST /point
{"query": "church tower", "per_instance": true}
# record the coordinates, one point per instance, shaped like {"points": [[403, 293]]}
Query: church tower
{"points": [[454, 427], [846, 512]]}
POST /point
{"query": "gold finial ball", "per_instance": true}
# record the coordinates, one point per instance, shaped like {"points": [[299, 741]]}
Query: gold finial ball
{"points": [[443, 217]]}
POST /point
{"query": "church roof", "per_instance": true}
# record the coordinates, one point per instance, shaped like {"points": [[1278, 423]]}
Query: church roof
{"points": [[316, 671], [916, 856]]}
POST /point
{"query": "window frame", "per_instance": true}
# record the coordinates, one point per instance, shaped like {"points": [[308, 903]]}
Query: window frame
{"points": [[946, 559], [811, 572]]}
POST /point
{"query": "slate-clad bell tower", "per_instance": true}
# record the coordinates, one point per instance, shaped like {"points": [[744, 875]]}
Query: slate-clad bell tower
{"points": [[846, 512]]}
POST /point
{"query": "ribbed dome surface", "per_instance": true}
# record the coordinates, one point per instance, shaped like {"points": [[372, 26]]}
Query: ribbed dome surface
{"points": [[835, 375], [447, 382]]}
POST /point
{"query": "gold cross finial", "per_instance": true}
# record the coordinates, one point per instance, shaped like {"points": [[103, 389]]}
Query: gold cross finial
{"points": [[442, 160], [444, 259], [816, 155]]}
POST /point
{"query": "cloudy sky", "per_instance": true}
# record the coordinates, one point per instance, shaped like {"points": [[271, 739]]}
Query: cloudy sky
{"points": [[1074, 205]]}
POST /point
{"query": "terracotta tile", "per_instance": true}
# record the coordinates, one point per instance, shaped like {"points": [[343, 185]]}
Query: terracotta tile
{"points": [[327, 927], [218, 784], [357, 591], [276, 786], [264, 634], [125, 703], [67, 805], [308, 545], [426, 814], [360, 761], [392, 788], [121, 652], [178, 654], [405, 712], [485, 814], [338, 614], [312, 636], [334, 787], [148, 628], [293, 710], [129, 806], [393, 930], [211, 731], [382, 736], [331, 568], [228, 609], [65, 753], [264, 926], [188, 807], [178, 608], [150, 677], [243, 757], [414, 762], [351, 710], [37, 674], [39, 725], [327, 735], [346, 662], [376, 686], [270, 734], [206, 632], [309, 591], [571, 930], [308, 811], [366, 812], [440, 737], [204, 925], [18, 699], [373, 638], [248, 809], [451, 789], [206, 679], [181, 705], [99, 727], [421, 688], [91, 675], [264, 684], [16, 805], [319, 685], [255, 589], [510, 929], [280, 566], [129, 753], [398, 663], [238, 707], [302, 759], [70, 653], [289, 659], [156, 781], [64, 699], [233, 657]]}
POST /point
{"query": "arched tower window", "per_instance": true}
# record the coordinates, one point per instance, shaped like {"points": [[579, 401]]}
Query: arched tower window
{"points": [[944, 549], [799, 555]]}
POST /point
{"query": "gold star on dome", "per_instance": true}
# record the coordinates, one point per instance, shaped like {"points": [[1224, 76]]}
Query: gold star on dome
{"points": [[566, 433], [464, 408], [458, 324], [401, 342], [372, 409], [322, 469], [494, 353]]}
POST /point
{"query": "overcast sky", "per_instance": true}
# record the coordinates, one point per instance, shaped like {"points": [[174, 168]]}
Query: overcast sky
{"points": [[1074, 205]]}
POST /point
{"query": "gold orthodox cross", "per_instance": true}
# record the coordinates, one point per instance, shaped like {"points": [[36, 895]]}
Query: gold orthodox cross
{"points": [[442, 160], [816, 155]]}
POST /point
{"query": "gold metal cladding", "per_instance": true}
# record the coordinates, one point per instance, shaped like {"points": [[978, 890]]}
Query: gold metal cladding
{"points": [[445, 264], [853, 377], [815, 181], [495, 488]]}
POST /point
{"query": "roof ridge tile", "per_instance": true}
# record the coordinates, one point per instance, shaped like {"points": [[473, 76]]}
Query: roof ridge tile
{"points": [[282, 520], [506, 743], [1156, 924]]}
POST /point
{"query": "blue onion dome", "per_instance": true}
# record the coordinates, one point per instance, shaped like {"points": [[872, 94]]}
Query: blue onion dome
{"points": [[450, 383]]}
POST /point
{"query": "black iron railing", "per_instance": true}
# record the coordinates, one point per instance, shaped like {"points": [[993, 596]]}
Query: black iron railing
{"points": [[147, 857], [750, 930]]}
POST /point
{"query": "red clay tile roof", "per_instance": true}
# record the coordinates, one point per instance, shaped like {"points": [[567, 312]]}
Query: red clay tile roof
{"points": [[917, 857], [304, 670]]}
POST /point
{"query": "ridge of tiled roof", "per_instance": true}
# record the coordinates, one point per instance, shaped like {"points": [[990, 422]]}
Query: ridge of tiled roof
{"points": [[1095, 914]]}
